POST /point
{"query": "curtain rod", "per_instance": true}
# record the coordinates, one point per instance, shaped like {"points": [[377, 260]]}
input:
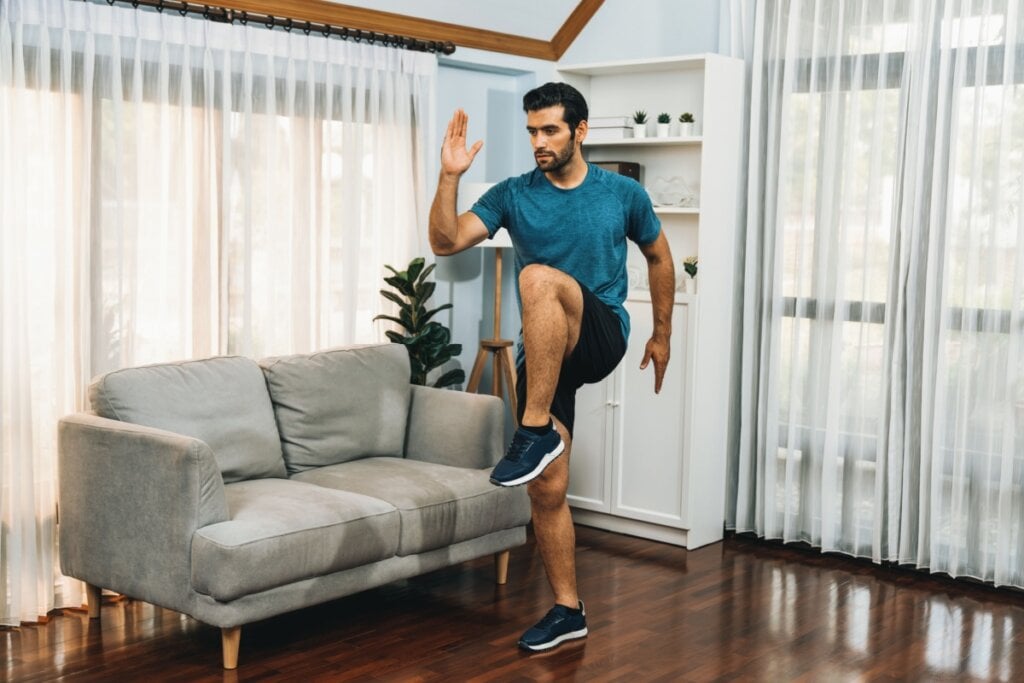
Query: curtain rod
{"points": [[231, 16]]}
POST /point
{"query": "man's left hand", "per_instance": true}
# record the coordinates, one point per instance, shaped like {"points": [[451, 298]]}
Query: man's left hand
{"points": [[656, 350]]}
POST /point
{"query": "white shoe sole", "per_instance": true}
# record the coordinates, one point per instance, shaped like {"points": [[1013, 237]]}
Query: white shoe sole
{"points": [[572, 635], [536, 472]]}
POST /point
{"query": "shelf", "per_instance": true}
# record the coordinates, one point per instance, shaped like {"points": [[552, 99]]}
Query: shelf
{"points": [[646, 142], [677, 210]]}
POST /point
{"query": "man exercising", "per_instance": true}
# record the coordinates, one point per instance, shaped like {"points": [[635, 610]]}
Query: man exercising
{"points": [[569, 221]]}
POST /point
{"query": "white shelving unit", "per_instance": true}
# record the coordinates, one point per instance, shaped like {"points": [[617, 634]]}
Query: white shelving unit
{"points": [[647, 464]]}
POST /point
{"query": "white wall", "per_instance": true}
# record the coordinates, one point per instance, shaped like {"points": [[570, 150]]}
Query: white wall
{"points": [[634, 29]]}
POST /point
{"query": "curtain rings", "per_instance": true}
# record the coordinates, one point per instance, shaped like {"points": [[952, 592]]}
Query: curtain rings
{"points": [[184, 8], [269, 23], [326, 31], [244, 19], [160, 6], [288, 24], [305, 29]]}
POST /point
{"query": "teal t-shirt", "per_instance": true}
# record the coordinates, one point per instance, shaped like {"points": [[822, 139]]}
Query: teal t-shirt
{"points": [[581, 232]]}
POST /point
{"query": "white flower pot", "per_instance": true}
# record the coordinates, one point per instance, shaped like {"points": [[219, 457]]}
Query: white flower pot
{"points": [[663, 130], [686, 129], [639, 130]]}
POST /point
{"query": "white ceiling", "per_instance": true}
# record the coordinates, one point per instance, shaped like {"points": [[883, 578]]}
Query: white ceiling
{"points": [[539, 19]]}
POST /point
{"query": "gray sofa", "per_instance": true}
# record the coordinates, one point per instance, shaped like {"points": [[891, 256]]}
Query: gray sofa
{"points": [[232, 490]]}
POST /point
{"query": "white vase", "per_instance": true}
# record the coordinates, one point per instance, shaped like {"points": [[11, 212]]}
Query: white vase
{"points": [[639, 130], [663, 130], [686, 129]]}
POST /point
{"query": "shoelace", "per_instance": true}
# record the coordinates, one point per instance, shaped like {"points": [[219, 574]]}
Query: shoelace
{"points": [[553, 616], [516, 449]]}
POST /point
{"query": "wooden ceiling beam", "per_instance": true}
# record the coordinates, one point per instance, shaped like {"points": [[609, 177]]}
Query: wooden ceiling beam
{"points": [[572, 27], [323, 12]]}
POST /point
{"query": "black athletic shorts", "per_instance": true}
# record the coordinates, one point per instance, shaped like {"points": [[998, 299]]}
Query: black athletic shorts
{"points": [[600, 348]]}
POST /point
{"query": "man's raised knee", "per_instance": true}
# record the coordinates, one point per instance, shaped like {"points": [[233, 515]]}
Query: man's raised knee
{"points": [[537, 278]]}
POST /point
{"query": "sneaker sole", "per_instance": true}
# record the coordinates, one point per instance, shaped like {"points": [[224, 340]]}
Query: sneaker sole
{"points": [[536, 472], [572, 635]]}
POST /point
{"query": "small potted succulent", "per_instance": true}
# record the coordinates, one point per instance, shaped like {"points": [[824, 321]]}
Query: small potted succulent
{"points": [[686, 124], [640, 124], [690, 266], [664, 121]]}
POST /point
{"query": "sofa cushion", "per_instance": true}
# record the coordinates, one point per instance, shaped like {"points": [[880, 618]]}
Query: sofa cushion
{"points": [[221, 401], [337, 405], [283, 531], [439, 504]]}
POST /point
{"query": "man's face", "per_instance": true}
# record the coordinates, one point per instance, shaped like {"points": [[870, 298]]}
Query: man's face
{"points": [[553, 145]]}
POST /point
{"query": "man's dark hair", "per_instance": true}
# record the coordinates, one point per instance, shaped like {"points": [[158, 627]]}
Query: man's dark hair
{"points": [[554, 94]]}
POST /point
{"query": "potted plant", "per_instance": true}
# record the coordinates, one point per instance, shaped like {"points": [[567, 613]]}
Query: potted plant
{"points": [[427, 341], [640, 124], [686, 124], [664, 121], [690, 266]]}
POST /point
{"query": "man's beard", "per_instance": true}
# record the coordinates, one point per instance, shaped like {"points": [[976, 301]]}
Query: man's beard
{"points": [[557, 161]]}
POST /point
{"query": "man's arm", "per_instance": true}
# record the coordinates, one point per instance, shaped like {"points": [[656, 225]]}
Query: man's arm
{"points": [[450, 233], [661, 273]]}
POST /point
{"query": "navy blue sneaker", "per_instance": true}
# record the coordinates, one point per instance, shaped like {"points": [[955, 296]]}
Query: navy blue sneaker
{"points": [[560, 624], [527, 456]]}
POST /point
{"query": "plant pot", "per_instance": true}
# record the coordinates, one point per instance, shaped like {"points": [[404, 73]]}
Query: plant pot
{"points": [[639, 130], [686, 129], [663, 130]]}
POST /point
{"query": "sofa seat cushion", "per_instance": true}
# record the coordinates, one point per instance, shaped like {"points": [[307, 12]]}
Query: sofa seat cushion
{"points": [[341, 404], [282, 531], [220, 401], [439, 504]]}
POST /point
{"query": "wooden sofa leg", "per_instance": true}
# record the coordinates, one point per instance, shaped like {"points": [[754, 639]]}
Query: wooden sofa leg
{"points": [[229, 640], [501, 566], [94, 598]]}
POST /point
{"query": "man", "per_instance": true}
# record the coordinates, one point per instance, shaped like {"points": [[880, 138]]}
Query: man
{"points": [[569, 222]]}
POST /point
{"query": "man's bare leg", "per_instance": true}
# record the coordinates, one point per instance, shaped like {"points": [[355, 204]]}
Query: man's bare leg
{"points": [[552, 525], [552, 313]]}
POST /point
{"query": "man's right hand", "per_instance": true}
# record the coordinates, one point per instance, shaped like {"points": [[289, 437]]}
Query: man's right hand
{"points": [[455, 157]]}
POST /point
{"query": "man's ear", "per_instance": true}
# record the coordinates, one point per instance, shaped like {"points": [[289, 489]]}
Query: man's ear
{"points": [[581, 130]]}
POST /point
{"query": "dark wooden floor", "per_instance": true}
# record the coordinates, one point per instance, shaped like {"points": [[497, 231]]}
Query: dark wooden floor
{"points": [[738, 610]]}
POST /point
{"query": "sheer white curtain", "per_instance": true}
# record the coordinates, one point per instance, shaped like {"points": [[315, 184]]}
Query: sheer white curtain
{"points": [[174, 188], [882, 410]]}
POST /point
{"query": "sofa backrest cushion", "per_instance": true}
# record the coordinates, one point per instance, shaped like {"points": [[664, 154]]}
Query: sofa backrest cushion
{"points": [[221, 401], [339, 405]]}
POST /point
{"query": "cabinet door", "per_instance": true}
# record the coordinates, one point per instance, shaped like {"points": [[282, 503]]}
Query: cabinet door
{"points": [[590, 460], [649, 461]]}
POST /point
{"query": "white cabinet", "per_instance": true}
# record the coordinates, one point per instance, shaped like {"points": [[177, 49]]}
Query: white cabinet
{"points": [[648, 464]]}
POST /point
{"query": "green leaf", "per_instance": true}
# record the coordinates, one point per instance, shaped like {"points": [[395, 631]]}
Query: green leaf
{"points": [[396, 337], [393, 319], [428, 271], [391, 296], [402, 285], [425, 291], [391, 269], [449, 378], [415, 268], [427, 315]]}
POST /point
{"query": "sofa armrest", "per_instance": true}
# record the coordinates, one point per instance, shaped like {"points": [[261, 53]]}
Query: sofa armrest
{"points": [[455, 428], [130, 499]]}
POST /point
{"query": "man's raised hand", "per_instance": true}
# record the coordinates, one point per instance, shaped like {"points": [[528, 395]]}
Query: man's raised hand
{"points": [[455, 157]]}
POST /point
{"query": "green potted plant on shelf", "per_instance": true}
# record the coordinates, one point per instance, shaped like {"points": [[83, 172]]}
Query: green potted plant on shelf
{"points": [[427, 341], [690, 279], [640, 124], [686, 124], [664, 121]]}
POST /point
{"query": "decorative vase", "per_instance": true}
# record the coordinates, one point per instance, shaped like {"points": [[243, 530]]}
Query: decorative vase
{"points": [[639, 130], [663, 130], [686, 129]]}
